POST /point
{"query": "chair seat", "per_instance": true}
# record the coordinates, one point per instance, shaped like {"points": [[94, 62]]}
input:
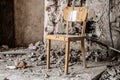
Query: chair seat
{"points": [[64, 37]]}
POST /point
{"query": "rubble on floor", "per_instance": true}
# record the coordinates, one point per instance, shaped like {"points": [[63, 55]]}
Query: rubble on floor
{"points": [[37, 53], [112, 72], [36, 57]]}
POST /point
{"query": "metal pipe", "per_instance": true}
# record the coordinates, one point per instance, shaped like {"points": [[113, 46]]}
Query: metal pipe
{"points": [[114, 49], [110, 29], [101, 43]]}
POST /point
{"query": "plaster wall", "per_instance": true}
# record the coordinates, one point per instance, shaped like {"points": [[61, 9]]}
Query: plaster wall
{"points": [[29, 21], [98, 11]]}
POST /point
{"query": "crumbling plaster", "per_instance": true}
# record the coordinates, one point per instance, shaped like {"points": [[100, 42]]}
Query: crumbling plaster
{"points": [[98, 11]]}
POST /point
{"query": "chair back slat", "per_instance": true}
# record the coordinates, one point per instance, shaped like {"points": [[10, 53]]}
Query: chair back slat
{"points": [[75, 14], [80, 16]]}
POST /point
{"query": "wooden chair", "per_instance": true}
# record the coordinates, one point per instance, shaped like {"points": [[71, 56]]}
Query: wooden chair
{"points": [[81, 17]]}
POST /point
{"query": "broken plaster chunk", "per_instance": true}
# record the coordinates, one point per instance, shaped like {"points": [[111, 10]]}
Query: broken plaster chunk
{"points": [[33, 59], [112, 72], [5, 47], [37, 44], [32, 47], [46, 75], [50, 29], [22, 64]]}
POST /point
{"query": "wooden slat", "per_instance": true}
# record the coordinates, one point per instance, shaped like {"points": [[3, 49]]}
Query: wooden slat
{"points": [[48, 53], [83, 28], [67, 27], [82, 13], [53, 37], [64, 37], [67, 56], [75, 38], [83, 52]]}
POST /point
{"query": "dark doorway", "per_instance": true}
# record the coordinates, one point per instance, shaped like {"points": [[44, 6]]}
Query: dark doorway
{"points": [[7, 33]]}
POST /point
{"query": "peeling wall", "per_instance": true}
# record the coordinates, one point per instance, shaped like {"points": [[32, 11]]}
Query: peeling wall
{"points": [[115, 22], [29, 21], [101, 17], [98, 11], [54, 16]]}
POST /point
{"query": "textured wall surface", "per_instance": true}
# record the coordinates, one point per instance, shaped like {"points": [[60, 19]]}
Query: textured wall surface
{"points": [[101, 18], [29, 21], [115, 22], [98, 11]]}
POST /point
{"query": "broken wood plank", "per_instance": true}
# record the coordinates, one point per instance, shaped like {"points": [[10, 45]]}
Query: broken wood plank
{"points": [[18, 52]]}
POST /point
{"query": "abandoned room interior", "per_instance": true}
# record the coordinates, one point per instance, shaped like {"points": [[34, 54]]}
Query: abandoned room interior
{"points": [[59, 39]]}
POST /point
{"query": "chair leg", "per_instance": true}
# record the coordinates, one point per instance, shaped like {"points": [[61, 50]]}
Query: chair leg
{"points": [[83, 52], [67, 56], [48, 53]]}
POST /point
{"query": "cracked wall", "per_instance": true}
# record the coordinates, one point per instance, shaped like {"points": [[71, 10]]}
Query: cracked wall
{"points": [[97, 25], [98, 11]]}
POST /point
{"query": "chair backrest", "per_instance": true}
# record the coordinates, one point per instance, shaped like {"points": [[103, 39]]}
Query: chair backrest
{"points": [[75, 14]]}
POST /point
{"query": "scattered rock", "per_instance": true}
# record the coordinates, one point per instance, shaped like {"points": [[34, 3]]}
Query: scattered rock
{"points": [[112, 72], [46, 75], [33, 59], [5, 47], [31, 47], [38, 43], [22, 65]]}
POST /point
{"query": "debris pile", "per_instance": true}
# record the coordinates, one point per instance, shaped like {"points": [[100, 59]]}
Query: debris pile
{"points": [[36, 54], [96, 52], [112, 72]]}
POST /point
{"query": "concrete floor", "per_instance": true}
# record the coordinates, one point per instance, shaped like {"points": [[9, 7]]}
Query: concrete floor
{"points": [[76, 72]]}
